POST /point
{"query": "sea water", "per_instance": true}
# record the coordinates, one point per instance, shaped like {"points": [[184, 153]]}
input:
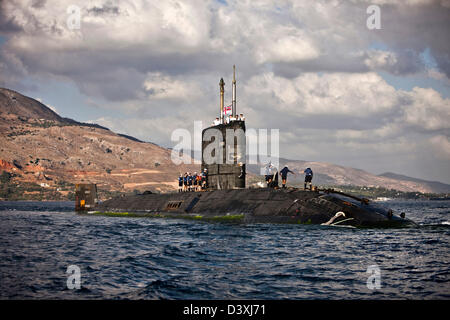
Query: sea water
{"points": [[42, 243]]}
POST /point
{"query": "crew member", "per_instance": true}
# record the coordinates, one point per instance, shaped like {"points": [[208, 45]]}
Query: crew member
{"points": [[216, 122], [242, 174], [274, 179], [194, 178], [180, 183], [204, 178], [199, 182], [185, 182], [268, 173], [284, 172], [308, 178], [189, 181]]}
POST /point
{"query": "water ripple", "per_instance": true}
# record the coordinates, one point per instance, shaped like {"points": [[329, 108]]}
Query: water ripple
{"points": [[132, 258]]}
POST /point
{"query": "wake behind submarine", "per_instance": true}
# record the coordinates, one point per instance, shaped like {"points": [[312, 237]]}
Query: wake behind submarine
{"points": [[226, 197]]}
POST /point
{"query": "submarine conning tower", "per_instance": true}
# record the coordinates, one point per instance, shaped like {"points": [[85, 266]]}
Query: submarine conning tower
{"points": [[224, 146]]}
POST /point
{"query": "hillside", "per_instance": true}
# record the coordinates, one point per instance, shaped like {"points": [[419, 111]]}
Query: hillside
{"points": [[39, 146], [41, 150], [436, 186], [12, 102]]}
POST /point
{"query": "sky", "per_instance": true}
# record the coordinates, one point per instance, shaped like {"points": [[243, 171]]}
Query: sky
{"points": [[339, 90]]}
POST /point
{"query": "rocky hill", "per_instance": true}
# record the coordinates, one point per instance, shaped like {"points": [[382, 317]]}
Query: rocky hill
{"points": [[12, 102], [38, 146], [41, 150], [436, 186]]}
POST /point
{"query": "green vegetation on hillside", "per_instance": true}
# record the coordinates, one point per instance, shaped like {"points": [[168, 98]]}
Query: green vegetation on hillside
{"points": [[14, 191]]}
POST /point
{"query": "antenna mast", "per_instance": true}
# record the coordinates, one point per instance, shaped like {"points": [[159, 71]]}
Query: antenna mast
{"points": [[234, 91], [222, 90]]}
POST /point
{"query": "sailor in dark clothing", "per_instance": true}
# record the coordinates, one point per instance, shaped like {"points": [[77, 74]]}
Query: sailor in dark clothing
{"points": [[185, 182], [189, 182], [180, 183], [274, 180], [199, 182], [194, 179], [284, 172], [204, 179], [308, 177]]}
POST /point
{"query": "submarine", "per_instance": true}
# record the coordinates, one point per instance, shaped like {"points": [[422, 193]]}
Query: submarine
{"points": [[226, 197]]}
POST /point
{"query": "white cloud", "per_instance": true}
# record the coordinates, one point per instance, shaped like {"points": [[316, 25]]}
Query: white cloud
{"points": [[379, 59], [286, 45], [159, 86], [437, 75], [441, 145], [427, 109], [361, 94]]}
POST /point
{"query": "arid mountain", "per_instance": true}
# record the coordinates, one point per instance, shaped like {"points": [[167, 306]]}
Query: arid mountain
{"points": [[40, 147], [12, 102], [436, 186]]}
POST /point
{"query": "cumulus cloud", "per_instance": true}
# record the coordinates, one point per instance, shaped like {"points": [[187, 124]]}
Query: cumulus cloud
{"points": [[441, 146], [377, 59], [159, 86], [140, 37], [427, 109], [293, 45], [346, 94]]}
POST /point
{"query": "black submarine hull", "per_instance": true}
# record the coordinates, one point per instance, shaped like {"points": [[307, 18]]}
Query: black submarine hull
{"points": [[264, 205]]}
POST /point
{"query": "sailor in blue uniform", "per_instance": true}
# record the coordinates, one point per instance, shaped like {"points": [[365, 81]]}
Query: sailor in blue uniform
{"points": [[185, 182], [189, 181], [284, 172], [194, 180], [308, 178], [204, 178], [180, 183]]}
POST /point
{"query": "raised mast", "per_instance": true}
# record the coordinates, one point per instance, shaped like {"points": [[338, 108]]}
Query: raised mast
{"points": [[234, 92], [222, 91]]}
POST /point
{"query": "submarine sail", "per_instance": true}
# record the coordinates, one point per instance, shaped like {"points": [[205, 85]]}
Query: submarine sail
{"points": [[224, 147]]}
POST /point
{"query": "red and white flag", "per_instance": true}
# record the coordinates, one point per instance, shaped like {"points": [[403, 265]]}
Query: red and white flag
{"points": [[228, 110]]}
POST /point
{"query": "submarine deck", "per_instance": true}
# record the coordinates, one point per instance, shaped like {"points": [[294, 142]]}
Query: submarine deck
{"points": [[256, 205]]}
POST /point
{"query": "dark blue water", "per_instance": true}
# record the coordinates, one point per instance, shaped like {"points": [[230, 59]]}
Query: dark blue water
{"points": [[145, 258]]}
